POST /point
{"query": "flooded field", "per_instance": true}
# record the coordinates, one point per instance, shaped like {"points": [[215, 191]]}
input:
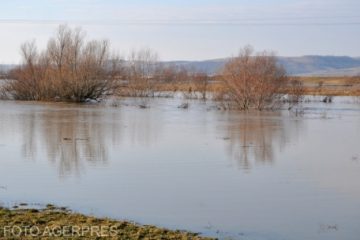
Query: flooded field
{"points": [[255, 175]]}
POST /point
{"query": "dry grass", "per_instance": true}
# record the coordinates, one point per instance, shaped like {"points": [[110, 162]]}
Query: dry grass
{"points": [[334, 86], [331, 80], [54, 218], [331, 86]]}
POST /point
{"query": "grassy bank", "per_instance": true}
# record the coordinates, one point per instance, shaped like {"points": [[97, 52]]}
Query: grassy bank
{"points": [[55, 223]]}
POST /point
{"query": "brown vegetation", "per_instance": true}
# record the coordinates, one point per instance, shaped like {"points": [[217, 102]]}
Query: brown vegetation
{"points": [[254, 80], [146, 77], [73, 69], [70, 69], [141, 70], [201, 81], [331, 86], [296, 87]]}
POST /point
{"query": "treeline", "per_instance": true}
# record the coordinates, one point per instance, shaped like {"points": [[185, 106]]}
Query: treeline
{"points": [[72, 68], [143, 75]]}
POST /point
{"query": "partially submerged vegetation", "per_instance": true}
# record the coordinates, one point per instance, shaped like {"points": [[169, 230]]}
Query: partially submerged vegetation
{"points": [[55, 223], [331, 86], [69, 69], [73, 69], [254, 80]]}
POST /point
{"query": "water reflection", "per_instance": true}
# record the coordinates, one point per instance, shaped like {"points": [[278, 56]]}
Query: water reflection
{"points": [[170, 166], [73, 136], [257, 137], [68, 138]]}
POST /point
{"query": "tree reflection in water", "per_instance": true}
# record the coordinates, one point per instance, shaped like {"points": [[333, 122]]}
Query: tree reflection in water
{"points": [[73, 137], [256, 137], [69, 137]]}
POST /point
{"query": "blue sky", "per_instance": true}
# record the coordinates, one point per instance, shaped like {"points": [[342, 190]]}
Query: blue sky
{"points": [[193, 30]]}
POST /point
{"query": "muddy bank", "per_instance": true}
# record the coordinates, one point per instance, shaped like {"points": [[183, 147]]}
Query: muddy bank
{"points": [[59, 223]]}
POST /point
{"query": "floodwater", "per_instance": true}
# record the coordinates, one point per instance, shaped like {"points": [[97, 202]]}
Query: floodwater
{"points": [[269, 175]]}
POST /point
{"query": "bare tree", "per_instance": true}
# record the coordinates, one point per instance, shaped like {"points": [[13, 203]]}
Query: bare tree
{"points": [[142, 69], [296, 91], [200, 81], [254, 80], [27, 84], [70, 69]]}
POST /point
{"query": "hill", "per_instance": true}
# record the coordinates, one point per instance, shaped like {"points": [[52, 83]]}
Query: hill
{"points": [[299, 66]]}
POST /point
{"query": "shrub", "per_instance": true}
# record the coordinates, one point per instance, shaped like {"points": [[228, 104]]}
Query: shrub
{"points": [[69, 69], [296, 91], [254, 80], [141, 71]]}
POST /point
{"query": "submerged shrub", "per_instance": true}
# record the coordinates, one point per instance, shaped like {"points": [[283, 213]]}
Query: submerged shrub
{"points": [[141, 73], [69, 69], [254, 80]]}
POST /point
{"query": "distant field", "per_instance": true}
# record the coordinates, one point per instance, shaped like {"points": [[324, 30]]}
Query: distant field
{"points": [[331, 80], [336, 86]]}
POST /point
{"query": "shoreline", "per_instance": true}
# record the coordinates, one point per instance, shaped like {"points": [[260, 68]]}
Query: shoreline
{"points": [[59, 223]]}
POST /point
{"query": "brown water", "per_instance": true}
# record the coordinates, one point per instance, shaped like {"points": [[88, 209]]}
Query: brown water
{"points": [[270, 175]]}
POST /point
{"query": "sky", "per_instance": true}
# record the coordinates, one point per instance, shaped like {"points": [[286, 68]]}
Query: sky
{"points": [[189, 29]]}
